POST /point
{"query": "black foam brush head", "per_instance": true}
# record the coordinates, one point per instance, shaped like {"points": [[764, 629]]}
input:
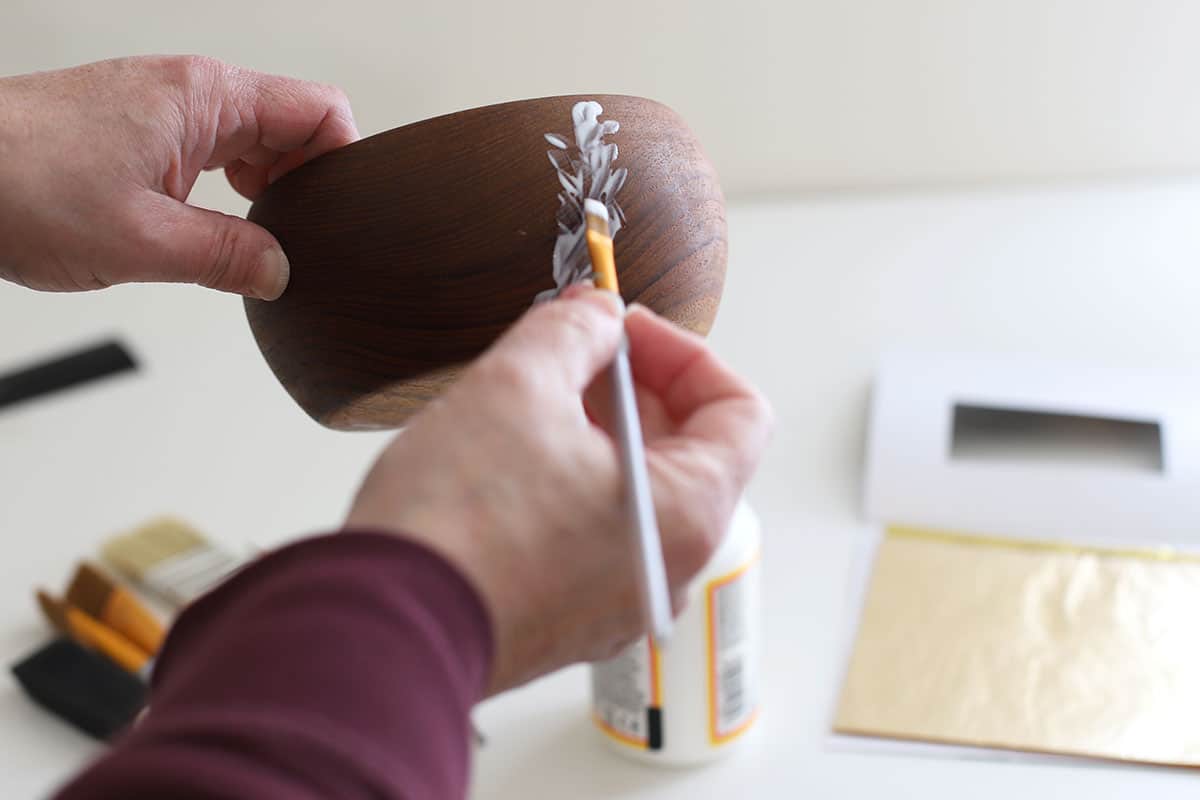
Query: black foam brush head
{"points": [[82, 687]]}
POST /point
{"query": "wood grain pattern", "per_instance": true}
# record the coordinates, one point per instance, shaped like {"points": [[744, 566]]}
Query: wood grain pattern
{"points": [[412, 250]]}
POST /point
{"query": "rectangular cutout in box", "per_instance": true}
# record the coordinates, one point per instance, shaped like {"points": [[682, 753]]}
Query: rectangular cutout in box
{"points": [[993, 433]]}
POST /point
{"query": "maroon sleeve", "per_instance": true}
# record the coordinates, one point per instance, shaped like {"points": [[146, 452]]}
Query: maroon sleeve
{"points": [[341, 666]]}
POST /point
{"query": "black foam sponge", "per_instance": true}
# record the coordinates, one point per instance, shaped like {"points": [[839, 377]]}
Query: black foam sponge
{"points": [[83, 687], [63, 372]]}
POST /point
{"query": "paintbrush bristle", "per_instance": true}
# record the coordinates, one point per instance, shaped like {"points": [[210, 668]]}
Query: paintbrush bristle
{"points": [[141, 549], [90, 590], [54, 610], [597, 216]]}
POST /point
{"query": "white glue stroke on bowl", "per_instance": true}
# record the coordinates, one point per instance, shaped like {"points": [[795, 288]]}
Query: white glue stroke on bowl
{"points": [[585, 173]]}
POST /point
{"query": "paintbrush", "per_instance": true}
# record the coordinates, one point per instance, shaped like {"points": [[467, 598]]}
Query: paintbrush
{"points": [[171, 559], [652, 573], [94, 593], [90, 632]]}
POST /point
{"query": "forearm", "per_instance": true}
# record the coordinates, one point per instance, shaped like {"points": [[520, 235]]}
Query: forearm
{"points": [[344, 666]]}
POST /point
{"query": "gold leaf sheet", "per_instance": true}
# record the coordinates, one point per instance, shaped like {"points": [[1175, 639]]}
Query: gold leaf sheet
{"points": [[1029, 645]]}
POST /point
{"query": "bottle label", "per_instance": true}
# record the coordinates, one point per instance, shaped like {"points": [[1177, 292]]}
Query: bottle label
{"points": [[627, 692], [732, 693]]}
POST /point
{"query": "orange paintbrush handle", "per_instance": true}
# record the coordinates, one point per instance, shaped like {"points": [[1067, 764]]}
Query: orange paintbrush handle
{"points": [[90, 631], [126, 614], [600, 248]]}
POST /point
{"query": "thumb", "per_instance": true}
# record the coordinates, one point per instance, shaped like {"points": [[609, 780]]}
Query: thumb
{"points": [[194, 245], [568, 340]]}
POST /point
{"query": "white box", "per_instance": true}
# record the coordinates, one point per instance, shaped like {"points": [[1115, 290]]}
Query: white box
{"points": [[1073, 452]]}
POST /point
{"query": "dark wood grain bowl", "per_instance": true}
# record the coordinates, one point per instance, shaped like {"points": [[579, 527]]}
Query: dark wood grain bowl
{"points": [[411, 251]]}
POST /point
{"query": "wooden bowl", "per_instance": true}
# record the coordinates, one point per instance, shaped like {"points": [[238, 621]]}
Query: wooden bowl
{"points": [[412, 250]]}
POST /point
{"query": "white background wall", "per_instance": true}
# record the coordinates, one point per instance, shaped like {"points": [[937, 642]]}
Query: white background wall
{"points": [[787, 96]]}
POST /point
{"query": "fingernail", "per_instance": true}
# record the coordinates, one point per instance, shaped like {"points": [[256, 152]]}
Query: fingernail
{"points": [[574, 290], [273, 273]]}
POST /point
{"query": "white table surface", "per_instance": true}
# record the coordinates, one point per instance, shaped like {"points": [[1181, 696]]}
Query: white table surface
{"points": [[1102, 272]]}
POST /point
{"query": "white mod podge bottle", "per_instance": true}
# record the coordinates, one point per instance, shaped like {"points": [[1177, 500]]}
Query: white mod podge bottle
{"points": [[694, 699]]}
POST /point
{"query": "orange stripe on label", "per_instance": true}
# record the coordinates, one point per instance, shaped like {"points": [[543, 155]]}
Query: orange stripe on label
{"points": [[714, 735], [620, 736]]}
